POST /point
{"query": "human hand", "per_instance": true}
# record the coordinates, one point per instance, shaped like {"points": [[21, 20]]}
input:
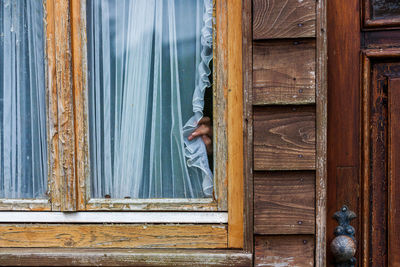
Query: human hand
{"points": [[205, 131]]}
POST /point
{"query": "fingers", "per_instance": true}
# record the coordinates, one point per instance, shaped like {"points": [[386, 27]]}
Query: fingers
{"points": [[208, 142], [206, 139], [201, 130], [205, 131], [205, 120]]}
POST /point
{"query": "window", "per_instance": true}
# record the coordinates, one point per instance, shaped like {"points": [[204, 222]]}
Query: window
{"points": [[23, 137], [110, 91], [148, 70]]}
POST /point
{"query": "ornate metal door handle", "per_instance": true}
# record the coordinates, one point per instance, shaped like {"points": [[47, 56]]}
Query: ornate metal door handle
{"points": [[343, 247]]}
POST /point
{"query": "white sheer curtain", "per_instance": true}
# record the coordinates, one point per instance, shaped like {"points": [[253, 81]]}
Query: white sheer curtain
{"points": [[23, 147], [148, 70]]}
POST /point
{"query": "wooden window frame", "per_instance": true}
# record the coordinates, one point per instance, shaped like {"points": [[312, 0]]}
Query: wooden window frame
{"points": [[84, 200], [51, 52], [228, 121], [59, 116], [67, 131]]}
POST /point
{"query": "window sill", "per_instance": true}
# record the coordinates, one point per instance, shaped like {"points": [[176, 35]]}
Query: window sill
{"points": [[113, 217], [123, 257]]}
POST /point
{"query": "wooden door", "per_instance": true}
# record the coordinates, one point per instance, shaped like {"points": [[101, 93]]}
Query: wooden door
{"points": [[364, 125]]}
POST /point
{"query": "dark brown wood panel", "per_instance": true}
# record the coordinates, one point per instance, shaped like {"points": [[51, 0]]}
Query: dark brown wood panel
{"points": [[381, 9], [394, 174], [284, 72], [343, 113], [366, 132], [381, 13], [284, 138], [381, 121], [283, 19], [381, 39], [288, 251], [378, 165], [351, 198], [284, 202]]}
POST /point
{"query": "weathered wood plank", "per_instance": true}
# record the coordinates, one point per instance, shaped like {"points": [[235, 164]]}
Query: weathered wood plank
{"points": [[52, 132], [288, 251], [25, 205], [284, 138], [124, 257], [284, 202], [283, 19], [109, 204], [65, 107], [248, 123], [220, 90], [79, 66], [284, 72], [321, 90], [63, 186], [113, 236]]}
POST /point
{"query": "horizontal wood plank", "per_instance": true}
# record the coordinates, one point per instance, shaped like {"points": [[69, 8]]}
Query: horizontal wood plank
{"points": [[288, 251], [123, 257], [284, 138], [113, 236], [284, 202], [284, 72], [283, 19]]}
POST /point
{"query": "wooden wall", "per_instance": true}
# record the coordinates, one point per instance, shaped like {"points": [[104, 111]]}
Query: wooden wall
{"points": [[283, 99]]}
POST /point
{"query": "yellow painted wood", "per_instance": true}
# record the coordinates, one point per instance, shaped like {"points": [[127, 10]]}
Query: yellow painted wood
{"points": [[235, 125]]}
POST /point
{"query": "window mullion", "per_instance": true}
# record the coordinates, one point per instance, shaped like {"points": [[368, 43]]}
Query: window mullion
{"points": [[62, 145], [78, 33]]}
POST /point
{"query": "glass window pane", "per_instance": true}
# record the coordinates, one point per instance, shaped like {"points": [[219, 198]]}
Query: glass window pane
{"points": [[149, 71], [23, 147]]}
